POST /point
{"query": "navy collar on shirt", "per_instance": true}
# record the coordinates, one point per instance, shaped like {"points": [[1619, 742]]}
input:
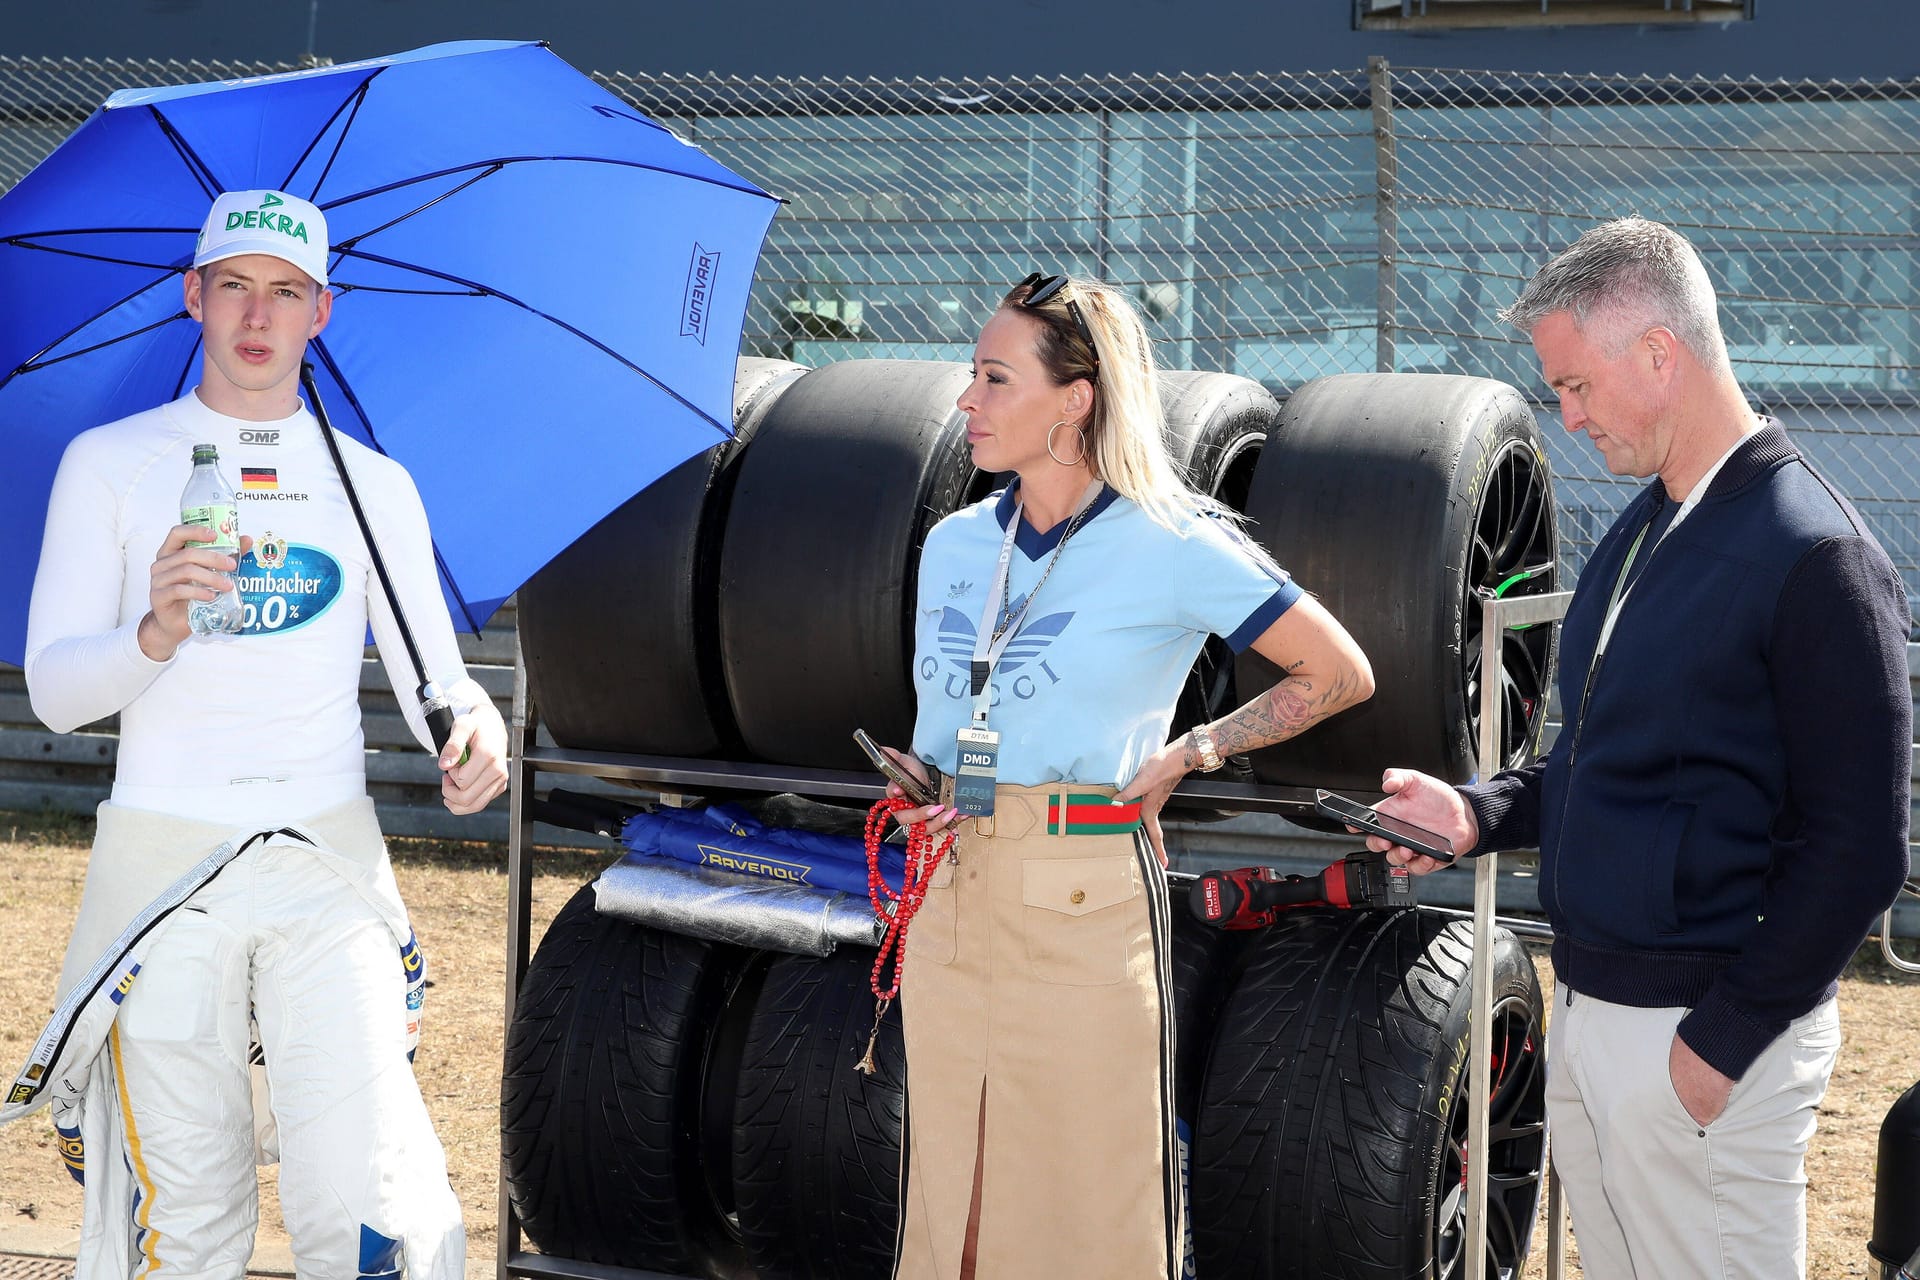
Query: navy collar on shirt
{"points": [[1030, 540], [1759, 453]]}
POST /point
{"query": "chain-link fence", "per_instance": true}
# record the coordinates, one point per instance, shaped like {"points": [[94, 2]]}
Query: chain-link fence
{"points": [[1286, 227]]}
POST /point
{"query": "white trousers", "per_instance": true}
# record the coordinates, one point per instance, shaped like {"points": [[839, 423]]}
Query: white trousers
{"points": [[1656, 1196], [279, 936]]}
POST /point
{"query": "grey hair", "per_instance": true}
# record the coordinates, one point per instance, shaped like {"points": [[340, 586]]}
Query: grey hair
{"points": [[1629, 275]]}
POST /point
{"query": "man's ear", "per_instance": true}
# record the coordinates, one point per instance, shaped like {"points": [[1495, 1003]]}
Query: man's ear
{"points": [[1663, 348], [190, 291], [322, 313]]}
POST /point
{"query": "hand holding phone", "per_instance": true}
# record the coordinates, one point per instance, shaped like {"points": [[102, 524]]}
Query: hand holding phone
{"points": [[910, 786], [1398, 830]]}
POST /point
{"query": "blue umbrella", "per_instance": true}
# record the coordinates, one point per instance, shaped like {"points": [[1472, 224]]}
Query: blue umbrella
{"points": [[539, 292]]}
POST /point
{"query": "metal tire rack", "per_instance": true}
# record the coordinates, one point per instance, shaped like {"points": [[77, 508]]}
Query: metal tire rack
{"points": [[528, 761]]}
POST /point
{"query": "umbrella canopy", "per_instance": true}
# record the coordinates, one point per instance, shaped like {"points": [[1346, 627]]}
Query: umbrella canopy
{"points": [[538, 291]]}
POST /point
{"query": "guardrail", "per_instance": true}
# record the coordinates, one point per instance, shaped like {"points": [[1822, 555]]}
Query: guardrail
{"points": [[72, 773]]}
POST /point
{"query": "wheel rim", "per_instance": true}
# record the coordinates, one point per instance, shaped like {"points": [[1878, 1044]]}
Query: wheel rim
{"points": [[1514, 552], [1516, 1146]]}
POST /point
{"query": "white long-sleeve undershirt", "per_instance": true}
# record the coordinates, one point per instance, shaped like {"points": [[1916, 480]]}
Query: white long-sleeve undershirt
{"points": [[259, 727]]}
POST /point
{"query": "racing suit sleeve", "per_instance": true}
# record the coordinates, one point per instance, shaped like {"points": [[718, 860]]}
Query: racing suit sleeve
{"points": [[83, 660], [406, 545], [1838, 667]]}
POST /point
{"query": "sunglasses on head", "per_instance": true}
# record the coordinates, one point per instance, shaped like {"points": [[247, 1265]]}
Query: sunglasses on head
{"points": [[1042, 287]]}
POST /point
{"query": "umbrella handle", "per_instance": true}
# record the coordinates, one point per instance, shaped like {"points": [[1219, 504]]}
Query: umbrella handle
{"points": [[439, 710], [434, 703]]}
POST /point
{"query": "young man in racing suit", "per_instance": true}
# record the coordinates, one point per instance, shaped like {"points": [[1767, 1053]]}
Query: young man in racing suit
{"points": [[248, 743]]}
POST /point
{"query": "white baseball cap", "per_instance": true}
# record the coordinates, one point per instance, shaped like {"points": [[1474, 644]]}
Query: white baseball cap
{"points": [[269, 222]]}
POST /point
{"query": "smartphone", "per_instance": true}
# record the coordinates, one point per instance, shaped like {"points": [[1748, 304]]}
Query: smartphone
{"points": [[1398, 830], [914, 789]]}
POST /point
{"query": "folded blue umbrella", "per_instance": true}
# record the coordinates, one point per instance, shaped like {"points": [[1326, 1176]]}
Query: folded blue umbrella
{"points": [[728, 839]]}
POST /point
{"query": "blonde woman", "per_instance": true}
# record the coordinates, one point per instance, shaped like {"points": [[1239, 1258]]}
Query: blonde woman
{"points": [[1056, 623]]}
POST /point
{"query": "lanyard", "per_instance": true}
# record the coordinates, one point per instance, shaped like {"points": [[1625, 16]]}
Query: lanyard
{"points": [[989, 642], [1621, 588]]}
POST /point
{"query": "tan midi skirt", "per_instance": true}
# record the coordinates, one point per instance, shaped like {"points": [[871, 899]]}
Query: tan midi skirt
{"points": [[1038, 1022]]}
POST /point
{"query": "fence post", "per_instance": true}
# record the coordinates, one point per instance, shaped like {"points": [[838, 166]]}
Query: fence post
{"points": [[1103, 196], [1386, 194]]}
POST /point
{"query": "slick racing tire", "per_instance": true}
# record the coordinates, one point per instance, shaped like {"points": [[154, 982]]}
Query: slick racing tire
{"points": [[1217, 425], [618, 630], [848, 471], [1401, 500], [1333, 1115], [815, 1143], [619, 1072]]}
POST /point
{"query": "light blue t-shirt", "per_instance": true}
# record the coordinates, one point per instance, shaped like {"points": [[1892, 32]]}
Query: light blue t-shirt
{"points": [[1086, 689]]}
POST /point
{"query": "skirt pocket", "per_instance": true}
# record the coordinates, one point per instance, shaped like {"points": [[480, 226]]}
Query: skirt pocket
{"points": [[1077, 917]]}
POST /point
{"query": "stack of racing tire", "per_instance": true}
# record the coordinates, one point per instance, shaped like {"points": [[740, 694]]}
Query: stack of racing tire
{"points": [[690, 1107]]}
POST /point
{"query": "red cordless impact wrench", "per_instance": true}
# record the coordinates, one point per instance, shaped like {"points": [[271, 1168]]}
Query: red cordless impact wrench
{"points": [[1254, 897]]}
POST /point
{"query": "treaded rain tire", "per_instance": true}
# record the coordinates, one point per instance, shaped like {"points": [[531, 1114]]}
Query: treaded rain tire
{"points": [[1329, 1137], [606, 1070], [816, 1144], [848, 472]]}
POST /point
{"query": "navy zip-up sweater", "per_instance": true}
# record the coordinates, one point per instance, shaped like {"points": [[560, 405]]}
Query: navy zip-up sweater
{"points": [[1725, 811]]}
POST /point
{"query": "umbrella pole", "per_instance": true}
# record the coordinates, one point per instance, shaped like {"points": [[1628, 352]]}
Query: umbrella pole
{"points": [[434, 702]]}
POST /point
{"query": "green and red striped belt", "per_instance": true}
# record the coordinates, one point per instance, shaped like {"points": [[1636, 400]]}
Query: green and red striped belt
{"points": [[1088, 813]]}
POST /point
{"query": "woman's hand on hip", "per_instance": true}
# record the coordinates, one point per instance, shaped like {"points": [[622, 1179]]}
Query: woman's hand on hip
{"points": [[1153, 783]]}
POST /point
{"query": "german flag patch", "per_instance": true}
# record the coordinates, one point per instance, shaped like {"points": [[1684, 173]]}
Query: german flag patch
{"points": [[257, 478]]}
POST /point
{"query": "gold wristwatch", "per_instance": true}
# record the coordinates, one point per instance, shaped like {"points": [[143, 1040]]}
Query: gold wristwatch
{"points": [[1203, 747]]}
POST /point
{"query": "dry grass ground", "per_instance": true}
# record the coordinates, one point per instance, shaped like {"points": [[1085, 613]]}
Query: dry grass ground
{"points": [[457, 894]]}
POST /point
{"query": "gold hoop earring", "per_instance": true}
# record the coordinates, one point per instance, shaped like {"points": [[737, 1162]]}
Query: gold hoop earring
{"points": [[1079, 431]]}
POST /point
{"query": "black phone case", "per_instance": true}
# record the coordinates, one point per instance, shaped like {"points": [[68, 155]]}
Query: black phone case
{"points": [[1362, 817]]}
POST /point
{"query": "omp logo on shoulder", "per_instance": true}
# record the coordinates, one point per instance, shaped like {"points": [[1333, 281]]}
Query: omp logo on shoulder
{"points": [[264, 221], [702, 270]]}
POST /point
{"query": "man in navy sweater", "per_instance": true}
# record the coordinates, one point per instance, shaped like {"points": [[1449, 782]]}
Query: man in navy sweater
{"points": [[1725, 811]]}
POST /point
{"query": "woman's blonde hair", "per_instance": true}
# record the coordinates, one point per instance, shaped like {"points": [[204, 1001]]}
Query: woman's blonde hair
{"points": [[1125, 430]]}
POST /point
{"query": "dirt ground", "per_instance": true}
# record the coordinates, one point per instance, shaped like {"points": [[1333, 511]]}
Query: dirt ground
{"points": [[457, 895]]}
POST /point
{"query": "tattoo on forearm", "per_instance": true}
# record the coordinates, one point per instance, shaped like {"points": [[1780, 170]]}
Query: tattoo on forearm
{"points": [[1285, 711]]}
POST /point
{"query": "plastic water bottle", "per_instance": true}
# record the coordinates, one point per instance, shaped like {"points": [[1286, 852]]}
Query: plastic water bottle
{"points": [[208, 501]]}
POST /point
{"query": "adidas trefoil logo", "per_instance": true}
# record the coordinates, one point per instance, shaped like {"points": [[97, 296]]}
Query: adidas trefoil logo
{"points": [[1023, 669], [958, 590]]}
